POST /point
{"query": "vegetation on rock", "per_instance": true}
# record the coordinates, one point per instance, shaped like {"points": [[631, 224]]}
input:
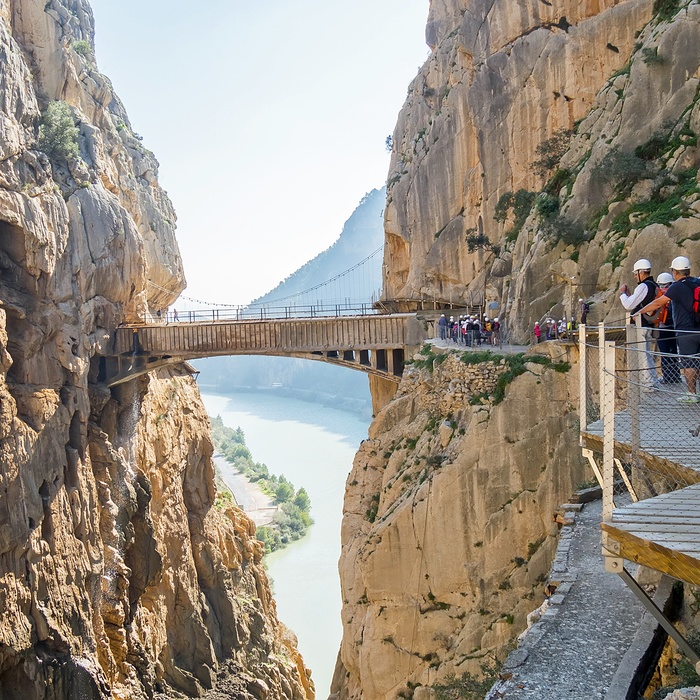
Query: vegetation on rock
{"points": [[58, 134]]}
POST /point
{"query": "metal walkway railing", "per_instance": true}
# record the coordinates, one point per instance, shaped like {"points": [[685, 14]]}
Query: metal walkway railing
{"points": [[640, 427]]}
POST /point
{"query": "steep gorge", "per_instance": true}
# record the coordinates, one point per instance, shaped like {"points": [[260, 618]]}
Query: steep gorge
{"points": [[120, 574], [542, 149]]}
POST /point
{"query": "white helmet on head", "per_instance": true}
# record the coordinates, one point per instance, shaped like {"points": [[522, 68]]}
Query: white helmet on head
{"points": [[642, 264], [665, 278], [680, 263]]}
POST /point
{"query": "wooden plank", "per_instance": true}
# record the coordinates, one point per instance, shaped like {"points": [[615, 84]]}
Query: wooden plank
{"points": [[655, 556], [660, 528]]}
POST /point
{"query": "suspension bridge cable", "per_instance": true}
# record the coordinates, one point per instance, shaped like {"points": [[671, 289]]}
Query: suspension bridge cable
{"points": [[273, 301]]}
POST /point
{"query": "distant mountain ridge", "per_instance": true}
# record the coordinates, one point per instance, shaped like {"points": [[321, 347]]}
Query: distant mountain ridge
{"points": [[362, 235]]}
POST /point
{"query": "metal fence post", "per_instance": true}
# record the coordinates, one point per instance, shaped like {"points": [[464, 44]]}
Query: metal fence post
{"points": [[607, 394], [582, 376]]}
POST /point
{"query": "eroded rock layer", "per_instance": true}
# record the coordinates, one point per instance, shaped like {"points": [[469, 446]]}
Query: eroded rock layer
{"points": [[542, 149], [447, 529], [120, 576]]}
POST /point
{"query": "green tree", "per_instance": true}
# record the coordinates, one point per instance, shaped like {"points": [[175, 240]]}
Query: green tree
{"points": [[284, 492], [58, 134], [302, 500]]}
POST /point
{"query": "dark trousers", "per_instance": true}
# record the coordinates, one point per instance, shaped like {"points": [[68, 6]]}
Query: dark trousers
{"points": [[669, 365]]}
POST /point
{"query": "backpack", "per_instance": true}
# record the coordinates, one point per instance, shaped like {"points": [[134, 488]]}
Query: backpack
{"points": [[696, 301], [656, 318]]}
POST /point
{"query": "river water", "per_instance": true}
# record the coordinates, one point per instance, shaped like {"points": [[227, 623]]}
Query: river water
{"points": [[313, 446]]}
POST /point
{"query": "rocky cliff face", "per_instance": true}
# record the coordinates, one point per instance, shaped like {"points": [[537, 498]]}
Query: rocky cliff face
{"points": [[447, 530], [543, 148], [119, 575]]}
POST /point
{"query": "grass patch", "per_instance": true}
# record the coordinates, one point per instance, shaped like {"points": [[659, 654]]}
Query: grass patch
{"points": [[467, 686], [659, 208]]}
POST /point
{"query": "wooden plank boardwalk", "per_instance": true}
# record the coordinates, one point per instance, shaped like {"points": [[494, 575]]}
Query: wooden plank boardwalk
{"points": [[665, 430], [662, 533]]}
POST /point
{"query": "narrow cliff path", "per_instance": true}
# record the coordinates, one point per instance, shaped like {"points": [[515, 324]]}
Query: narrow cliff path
{"points": [[578, 644]]}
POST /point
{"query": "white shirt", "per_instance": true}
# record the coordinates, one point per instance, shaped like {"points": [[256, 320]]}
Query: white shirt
{"points": [[630, 301]]}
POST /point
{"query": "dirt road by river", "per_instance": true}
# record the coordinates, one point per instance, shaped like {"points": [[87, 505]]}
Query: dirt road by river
{"points": [[257, 505]]}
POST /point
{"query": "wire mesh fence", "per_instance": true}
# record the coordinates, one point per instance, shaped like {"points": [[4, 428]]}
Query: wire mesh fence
{"points": [[645, 402]]}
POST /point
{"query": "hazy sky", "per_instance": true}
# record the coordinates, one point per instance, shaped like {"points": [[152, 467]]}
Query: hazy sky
{"points": [[268, 118]]}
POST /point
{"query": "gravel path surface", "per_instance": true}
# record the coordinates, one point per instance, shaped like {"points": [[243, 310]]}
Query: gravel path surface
{"points": [[576, 647]]}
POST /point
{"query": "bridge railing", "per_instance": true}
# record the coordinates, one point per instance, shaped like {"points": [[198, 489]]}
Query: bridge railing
{"points": [[264, 312]]}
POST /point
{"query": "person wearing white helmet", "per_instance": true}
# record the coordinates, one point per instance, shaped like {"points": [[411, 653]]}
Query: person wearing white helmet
{"points": [[666, 337], [682, 294], [644, 293]]}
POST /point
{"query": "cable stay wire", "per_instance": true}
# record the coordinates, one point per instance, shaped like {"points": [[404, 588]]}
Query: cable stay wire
{"points": [[326, 284]]}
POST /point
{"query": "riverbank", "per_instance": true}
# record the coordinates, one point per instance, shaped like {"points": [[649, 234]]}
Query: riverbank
{"points": [[360, 408], [312, 445], [256, 504]]}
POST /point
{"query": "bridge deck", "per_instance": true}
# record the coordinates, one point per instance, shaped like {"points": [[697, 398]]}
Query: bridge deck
{"points": [[271, 336], [374, 343], [662, 533]]}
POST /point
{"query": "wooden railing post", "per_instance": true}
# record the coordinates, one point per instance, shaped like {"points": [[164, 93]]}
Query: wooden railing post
{"points": [[607, 398], [634, 366]]}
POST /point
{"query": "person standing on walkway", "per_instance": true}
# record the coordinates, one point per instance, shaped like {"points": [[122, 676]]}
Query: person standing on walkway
{"points": [[688, 339], [442, 324], [538, 332], [644, 293], [666, 340]]}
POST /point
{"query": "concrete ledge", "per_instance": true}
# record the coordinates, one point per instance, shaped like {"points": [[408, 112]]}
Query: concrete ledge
{"points": [[638, 664]]}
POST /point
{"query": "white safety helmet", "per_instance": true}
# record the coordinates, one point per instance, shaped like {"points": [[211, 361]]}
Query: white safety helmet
{"points": [[665, 278], [680, 263], [642, 264], [496, 319]]}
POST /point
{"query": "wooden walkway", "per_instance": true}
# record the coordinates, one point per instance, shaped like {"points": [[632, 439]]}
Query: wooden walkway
{"points": [[376, 344], [666, 440], [662, 533]]}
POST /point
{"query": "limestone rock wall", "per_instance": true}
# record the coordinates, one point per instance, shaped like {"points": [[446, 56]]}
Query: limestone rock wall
{"points": [[502, 80], [447, 528], [120, 576]]}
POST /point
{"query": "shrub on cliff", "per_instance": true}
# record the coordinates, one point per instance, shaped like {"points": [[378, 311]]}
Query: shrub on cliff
{"points": [[620, 168], [551, 151], [58, 134]]}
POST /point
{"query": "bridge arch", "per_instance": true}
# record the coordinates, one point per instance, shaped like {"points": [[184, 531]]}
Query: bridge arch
{"points": [[376, 344]]}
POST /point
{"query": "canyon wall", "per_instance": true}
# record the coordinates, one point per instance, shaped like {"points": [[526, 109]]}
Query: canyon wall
{"points": [[447, 532], [121, 574], [543, 147]]}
